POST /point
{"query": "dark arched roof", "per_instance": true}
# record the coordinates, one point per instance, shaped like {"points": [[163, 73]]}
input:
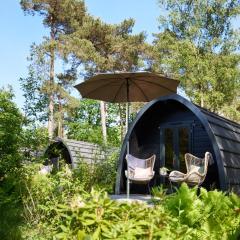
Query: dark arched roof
{"points": [[223, 134], [73, 150]]}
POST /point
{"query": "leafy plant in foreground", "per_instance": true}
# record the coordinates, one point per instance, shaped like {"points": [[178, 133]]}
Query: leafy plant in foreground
{"points": [[56, 206]]}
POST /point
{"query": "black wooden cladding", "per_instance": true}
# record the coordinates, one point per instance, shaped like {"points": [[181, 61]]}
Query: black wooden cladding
{"points": [[227, 135], [73, 151], [210, 132]]}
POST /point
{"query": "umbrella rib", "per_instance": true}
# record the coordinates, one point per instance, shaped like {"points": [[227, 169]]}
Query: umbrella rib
{"points": [[97, 88], [140, 90], [118, 91], [156, 84]]}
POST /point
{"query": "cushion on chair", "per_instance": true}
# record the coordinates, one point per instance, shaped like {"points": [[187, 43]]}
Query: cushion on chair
{"points": [[176, 176], [199, 169], [193, 178], [196, 170], [143, 172], [134, 162]]}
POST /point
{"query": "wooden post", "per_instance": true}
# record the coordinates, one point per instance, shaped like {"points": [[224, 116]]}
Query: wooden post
{"points": [[103, 121]]}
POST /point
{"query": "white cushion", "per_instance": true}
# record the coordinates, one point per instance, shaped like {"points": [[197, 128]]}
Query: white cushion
{"points": [[176, 176], [142, 172]]}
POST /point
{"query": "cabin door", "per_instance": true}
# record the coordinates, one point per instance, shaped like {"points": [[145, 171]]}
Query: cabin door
{"points": [[175, 141]]}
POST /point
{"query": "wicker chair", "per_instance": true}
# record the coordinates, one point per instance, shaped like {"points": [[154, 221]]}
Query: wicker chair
{"points": [[140, 171], [196, 170]]}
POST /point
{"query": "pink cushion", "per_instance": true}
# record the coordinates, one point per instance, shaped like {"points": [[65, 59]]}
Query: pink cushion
{"points": [[142, 172]]}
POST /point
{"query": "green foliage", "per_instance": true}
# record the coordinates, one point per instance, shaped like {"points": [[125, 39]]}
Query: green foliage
{"points": [[85, 124], [206, 212], [186, 206], [217, 206], [37, 90], [61, 20], [103, 47], [198, 44], [39, 197], [34, 141], [56, 206], [158, 192], [100, 174], [85, 132], [92, 133], [10, 206], [10, 130], [35, 100], [59, 15]]}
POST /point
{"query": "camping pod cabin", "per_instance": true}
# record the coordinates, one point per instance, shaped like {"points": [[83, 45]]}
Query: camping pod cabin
{"points": [[171, 126], [73, 151]]}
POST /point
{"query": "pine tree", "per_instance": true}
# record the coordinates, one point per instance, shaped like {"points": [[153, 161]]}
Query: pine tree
{"points": [[61, 17], [102, 47]]}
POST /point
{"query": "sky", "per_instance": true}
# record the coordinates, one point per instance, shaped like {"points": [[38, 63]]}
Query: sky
{"points": [[19, 31]]}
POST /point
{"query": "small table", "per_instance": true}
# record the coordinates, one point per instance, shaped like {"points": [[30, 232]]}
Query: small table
{"points": [[163, 173]]}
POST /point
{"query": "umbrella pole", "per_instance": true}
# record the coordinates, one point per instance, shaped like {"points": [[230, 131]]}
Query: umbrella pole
{"points": [[128, 182], [127, 116], [127, 124]]}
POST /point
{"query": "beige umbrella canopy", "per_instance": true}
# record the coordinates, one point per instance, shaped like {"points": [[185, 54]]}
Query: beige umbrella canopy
{"points": [[127, 87]]}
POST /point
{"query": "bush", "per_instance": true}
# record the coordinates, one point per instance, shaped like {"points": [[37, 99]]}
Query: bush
{"points": [[99, 174], [34, 141], [56, 206], [10, 132], [10, 207], [63, 210], [205, 213]]}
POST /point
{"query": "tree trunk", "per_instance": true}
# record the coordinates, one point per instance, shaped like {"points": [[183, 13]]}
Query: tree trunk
{"points": [[202, 101], [103, 121], [51, 89], [121, 121], [51, 117], [60, 118], [202, 97]]}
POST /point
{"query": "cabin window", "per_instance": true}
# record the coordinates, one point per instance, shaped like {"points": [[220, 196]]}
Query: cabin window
{"points": [[169, 151], [184, 146], [175, 141]]}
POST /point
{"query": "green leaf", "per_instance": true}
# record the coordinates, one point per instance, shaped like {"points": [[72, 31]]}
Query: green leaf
{"points": [[81, 235], [96, 234], [88, 222], [61, 235]]}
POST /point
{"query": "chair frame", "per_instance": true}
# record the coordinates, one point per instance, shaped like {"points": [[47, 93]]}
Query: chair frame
{"points": [[130, 172], [189, 160]]}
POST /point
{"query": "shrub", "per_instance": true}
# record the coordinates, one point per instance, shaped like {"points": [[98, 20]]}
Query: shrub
{"points": [[34, 141], [10, 131], [66, 211], [205, 213], [100, 174], [56, 206]]}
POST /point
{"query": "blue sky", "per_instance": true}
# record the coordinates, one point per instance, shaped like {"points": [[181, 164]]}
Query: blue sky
{"points": [[18, 32]]}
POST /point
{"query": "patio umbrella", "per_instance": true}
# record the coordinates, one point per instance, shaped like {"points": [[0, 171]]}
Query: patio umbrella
{"points": [[127, 87]]}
